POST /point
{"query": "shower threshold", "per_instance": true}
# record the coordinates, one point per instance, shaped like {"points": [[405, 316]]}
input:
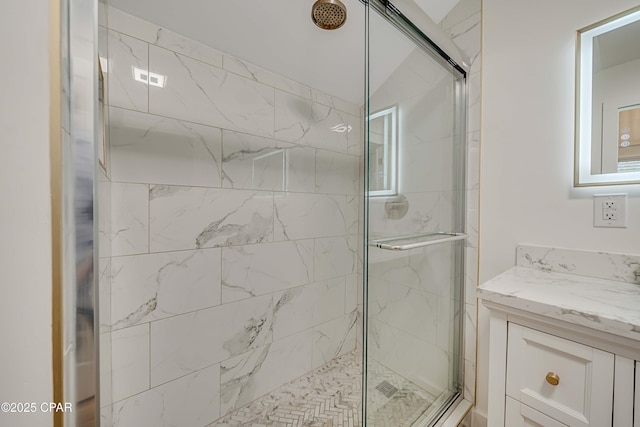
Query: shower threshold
{"points": [[331, 396]]}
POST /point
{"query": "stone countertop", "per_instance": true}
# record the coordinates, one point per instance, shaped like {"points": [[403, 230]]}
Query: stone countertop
{"points": [[606, 305]]}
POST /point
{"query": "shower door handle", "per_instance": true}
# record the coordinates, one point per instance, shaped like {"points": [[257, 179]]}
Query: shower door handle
{"points": [[422, 240]]}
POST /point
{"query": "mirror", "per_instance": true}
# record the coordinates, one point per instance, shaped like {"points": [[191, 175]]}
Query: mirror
{"points": [[383, 153], [608, 102]]}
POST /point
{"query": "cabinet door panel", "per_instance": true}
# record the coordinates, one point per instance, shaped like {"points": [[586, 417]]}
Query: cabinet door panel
{"points": [[583, 395], [519, 415]]}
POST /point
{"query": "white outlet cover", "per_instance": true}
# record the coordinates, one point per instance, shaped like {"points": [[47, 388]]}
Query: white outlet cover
{"points": [[599, 210]]}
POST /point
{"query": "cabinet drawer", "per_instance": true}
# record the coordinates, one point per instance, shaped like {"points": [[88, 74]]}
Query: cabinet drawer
{"points": [[519, 415], [583, 395]]}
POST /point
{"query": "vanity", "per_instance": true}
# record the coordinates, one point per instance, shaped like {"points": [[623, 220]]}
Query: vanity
{"points": [[564, 340]]}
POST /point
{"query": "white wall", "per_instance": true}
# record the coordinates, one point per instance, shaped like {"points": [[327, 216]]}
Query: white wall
{"points": [[527, 141], [25, 246]]}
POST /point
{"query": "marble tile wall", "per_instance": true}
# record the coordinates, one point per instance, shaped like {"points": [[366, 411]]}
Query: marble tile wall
{"points": [[233, 233]]}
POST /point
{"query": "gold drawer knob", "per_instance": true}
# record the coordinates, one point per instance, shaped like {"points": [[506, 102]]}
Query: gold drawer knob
{"points": [[553, 378]]}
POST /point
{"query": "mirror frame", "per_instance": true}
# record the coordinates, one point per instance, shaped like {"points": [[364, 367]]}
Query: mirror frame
{"points": [[391, 147], [583, 177]]}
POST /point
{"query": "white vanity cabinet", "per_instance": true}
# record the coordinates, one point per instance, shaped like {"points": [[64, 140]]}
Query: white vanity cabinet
{"points": [[570, 382], [541, 375], [558, 361]]}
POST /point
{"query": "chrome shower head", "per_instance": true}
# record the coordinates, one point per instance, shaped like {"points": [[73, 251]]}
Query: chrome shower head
{"points": [[329, 14]]}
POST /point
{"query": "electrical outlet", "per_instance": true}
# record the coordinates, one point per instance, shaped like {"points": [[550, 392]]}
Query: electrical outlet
{"points": [[610, 210]]}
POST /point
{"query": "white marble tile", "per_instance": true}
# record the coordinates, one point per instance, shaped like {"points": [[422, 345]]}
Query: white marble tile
{"points": [[423, 216], [473, 199], [605, 305], [353, 221], [130, 361], [337, 173], [303, 216], [472, 228], [201, 93], [418, 70], [104, 216], [473, 162], [357, 141], [426, 364], [335, 256], [153, 149], [461, 11], [473, 102], [260, 163], [329, 394], [466, 35], [184, 344], [106, 417], [352, 300], [103, 55], [304, 307], [195, 217], [156, 35], [448, 308], [334, 338], [102, 14], [131, 25], [407, 309], [125, 53], [334, 102], [258, 74], [415, 174], [105, 374], [253, 270], [470, 327], [191, 401], [301, 168], [310, 123], [156, 286], [247, 377], [471, 274], [188, 47], [104, 292], [430, 269], [129, 219], [469, 380], [624, 268]]}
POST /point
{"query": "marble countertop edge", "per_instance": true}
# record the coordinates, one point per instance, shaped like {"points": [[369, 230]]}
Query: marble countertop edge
{"points": [[605, 305]]}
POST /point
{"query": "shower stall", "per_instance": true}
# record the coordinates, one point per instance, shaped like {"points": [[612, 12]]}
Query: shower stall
{"points": [[281, 214]]}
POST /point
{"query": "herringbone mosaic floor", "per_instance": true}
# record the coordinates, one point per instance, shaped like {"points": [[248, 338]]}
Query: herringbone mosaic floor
{"points": [[331, 397]]}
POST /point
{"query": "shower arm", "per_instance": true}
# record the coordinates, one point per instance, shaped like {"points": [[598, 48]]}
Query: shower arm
{"points": [[426, 240]]}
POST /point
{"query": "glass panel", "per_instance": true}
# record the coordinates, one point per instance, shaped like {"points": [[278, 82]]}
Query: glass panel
{"points": [[413, 296]]}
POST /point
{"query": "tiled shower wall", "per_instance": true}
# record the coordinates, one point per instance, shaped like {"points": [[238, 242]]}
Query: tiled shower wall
{"points": [[234, 228]]}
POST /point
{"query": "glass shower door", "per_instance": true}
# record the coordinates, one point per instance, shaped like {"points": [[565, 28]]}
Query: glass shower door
{"points": [[415, 228]]}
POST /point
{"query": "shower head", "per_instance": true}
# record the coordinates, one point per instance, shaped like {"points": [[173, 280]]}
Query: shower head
{"points": [[329, 14]]}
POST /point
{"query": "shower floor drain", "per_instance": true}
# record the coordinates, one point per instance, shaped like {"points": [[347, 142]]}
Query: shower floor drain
{"points": [[386, 388]]}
